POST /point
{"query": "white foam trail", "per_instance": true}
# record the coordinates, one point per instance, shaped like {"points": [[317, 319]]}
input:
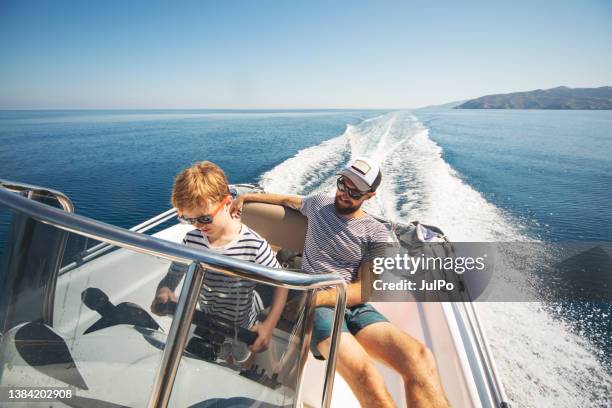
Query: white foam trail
{"points": [[303, 172], [541, 362]]}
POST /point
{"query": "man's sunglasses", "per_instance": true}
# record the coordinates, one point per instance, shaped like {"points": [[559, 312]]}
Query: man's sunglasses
{"points": [[203, 219], [354, 193]]}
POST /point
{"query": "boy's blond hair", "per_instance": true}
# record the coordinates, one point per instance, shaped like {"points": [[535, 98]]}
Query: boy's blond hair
{"points": [[198, 186]]}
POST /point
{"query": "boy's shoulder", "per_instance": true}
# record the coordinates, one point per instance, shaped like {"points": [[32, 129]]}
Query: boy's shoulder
{"points": [[248, 234], [194, 234], [196, 239]]}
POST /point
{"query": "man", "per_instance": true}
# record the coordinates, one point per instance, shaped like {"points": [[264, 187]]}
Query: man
{"points": [[338, 237]]}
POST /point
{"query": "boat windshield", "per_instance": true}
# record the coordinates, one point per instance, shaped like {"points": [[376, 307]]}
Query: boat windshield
{"points": [[78, 322]]}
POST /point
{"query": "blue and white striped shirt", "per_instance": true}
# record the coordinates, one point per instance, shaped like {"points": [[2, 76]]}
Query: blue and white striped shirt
{"points": [[230, 297], [335, 244]]}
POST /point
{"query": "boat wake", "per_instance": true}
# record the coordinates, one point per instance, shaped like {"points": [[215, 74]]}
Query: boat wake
{"points": [[541, 361]]}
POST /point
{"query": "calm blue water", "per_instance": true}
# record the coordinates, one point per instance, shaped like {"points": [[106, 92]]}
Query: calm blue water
{"points": [[550, 169], [479, 175], [119, 166]]}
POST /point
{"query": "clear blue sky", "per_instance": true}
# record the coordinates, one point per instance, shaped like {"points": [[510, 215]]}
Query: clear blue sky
{"points": [[289, 54]]}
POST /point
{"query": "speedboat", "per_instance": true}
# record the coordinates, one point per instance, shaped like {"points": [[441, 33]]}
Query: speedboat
{"points": [[76, 328]]}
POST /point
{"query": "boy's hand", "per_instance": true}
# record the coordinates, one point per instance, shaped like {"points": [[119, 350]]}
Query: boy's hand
{"points": [[264, 337], [236, 207], [163, 295]]}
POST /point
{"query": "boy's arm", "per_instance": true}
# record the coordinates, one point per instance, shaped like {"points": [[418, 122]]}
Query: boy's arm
{"points": [[265, 256], [294, 202], [278, 304], [357, 292], [176, 271], [265, 329], [166, 287]]}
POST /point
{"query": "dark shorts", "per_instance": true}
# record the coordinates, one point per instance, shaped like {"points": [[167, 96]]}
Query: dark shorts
{"points": [[355, 319]]}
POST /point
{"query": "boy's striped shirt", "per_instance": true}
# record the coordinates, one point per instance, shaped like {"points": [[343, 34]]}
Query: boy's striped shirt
{"points": [[230, 297]]}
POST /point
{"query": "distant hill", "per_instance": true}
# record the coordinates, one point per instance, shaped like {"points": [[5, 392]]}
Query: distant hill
{"points": [[561, 97], [453, 104]]}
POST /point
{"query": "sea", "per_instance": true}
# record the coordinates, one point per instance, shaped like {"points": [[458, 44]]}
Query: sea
{"points": [[479, 175]]}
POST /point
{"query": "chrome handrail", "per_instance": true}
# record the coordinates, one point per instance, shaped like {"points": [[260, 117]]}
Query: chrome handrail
{"points": [[62, 198], [165, 249], [155, 221], [150, 245], [173, 350], [495, 385], [101, 248], [91, 253]]}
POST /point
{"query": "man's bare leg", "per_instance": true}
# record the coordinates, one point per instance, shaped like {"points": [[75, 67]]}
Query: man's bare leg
{"points": [[408, 357], [357, 369]]}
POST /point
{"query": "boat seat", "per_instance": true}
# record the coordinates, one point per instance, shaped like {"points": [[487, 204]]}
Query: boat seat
{"points": [[282, 227], [285, 230]]}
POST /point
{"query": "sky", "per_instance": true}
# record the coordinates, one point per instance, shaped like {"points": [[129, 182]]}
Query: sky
{"points": [[293, 54]]}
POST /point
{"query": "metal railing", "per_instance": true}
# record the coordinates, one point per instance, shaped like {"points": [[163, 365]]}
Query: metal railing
{"points": [[482, 345], [164, 381], [102, 248], [204, 260], [89, 254], [32, 191]]}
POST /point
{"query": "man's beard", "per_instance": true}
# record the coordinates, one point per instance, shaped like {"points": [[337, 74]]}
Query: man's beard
{"points": [[345, 210]]}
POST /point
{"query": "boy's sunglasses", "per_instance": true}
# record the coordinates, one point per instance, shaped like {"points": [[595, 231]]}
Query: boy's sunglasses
{"points": [[352, 192], [203, 219]]}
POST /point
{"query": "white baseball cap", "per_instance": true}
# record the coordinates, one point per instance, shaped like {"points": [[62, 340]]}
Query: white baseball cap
{"points": [[364, 173]]}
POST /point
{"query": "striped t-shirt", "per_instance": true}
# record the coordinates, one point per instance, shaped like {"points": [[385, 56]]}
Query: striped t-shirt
{"points": [[335, 244], [230, 297]]}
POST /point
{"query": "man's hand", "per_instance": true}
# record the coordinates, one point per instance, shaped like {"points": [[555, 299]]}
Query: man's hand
{"points": [[163, 295], [264, 337], [236, 207]]}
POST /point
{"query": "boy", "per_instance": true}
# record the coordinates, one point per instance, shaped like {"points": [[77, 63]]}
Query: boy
{"points": [[201, 196]]}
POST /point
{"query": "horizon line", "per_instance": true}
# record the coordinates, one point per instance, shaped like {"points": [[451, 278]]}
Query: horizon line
{"points": [[201, 109]]}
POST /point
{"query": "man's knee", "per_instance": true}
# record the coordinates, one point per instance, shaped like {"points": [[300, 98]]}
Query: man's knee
{"points": [[353, 363], [362, 370], [424, 355], [419, 362], [364, 378]]}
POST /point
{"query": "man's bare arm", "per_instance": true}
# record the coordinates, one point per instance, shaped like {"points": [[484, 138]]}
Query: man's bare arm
{"points": [[294, 202], [357, 292], [328, 297]]}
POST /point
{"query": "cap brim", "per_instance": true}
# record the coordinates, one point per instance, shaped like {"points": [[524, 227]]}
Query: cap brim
{"points": [[358, 182]]}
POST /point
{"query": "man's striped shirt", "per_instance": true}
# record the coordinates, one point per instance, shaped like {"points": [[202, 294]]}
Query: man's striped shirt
{"points": [[335, 244], [230, 297]]}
